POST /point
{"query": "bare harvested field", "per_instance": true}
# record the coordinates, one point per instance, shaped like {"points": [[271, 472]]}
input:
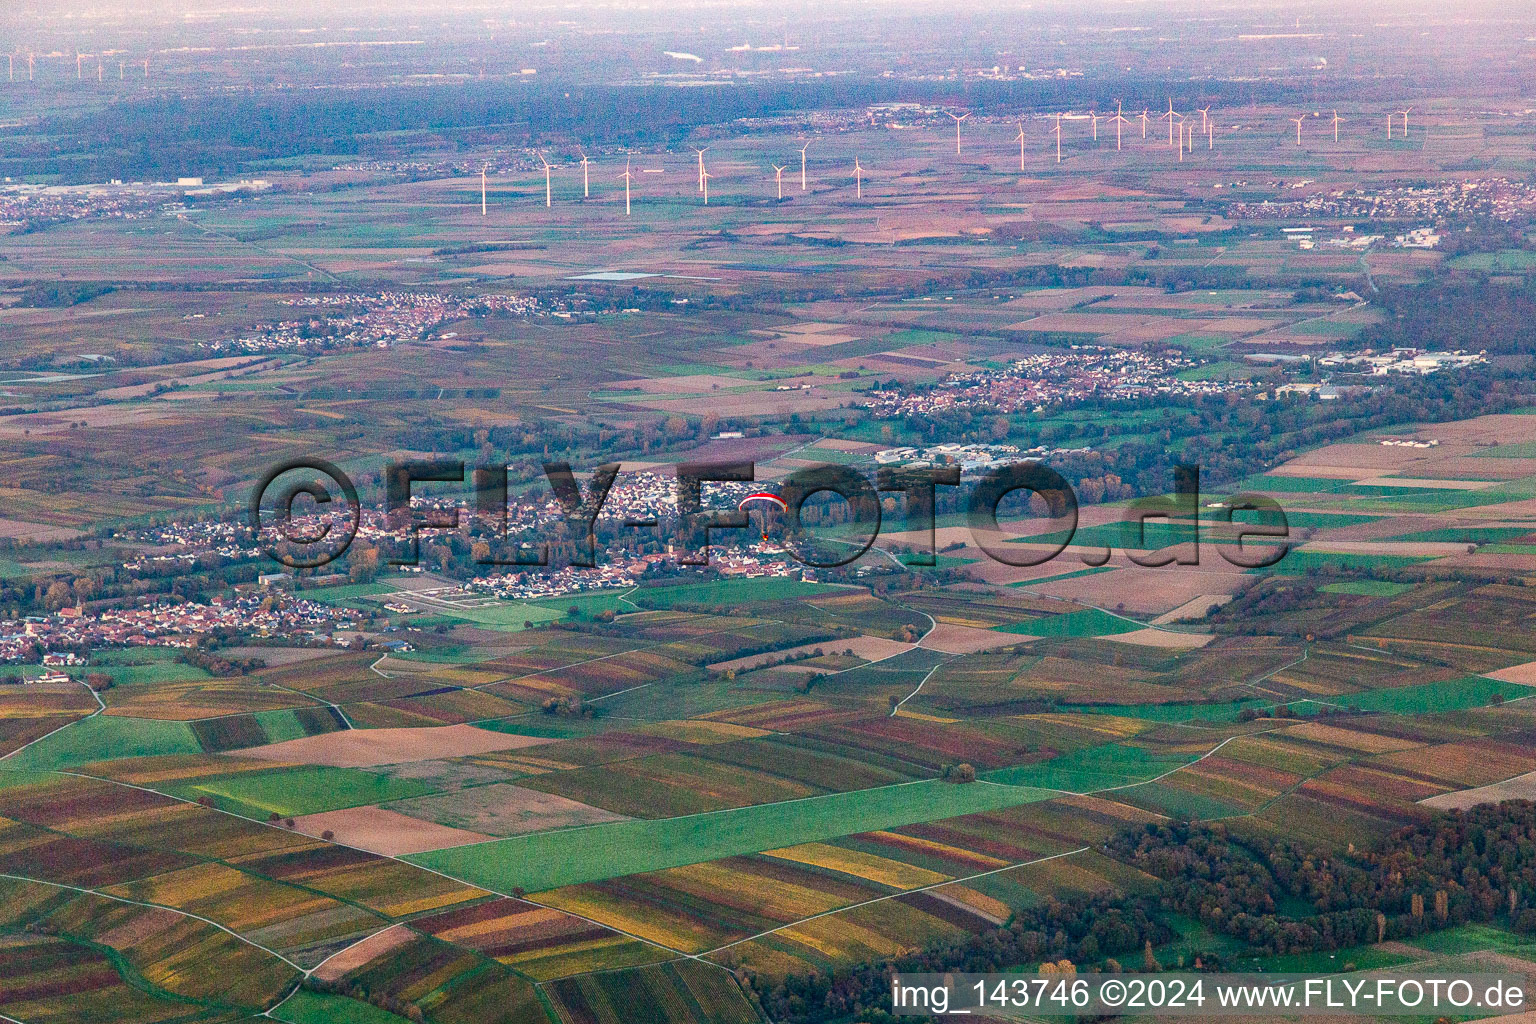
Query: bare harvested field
{"points": [[18, 530], [363, 748], [503, 809], [1195, 608], [275, 656], [1164, 638], [384, 832], [685, 385], [1525, 674], [364, 950], [1428, 483], [954, 639], [870, 648], [1148, 591], [1521, 787]]}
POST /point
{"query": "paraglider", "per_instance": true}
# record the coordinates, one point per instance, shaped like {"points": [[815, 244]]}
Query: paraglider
{"points": [[762, 506]]}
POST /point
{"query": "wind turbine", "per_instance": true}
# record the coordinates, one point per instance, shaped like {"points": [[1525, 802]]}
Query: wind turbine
{"points": [[586, 181], [1210, 135], [12, 58], [30, 59], [1404, 115], [958, 118], [701, 153], [802, 163], [1144, 120], [858, 178], [122, 70], [79, 75], [1057, 130], [1119, 121], [1298, 121], [1389, 126], [1170, 116], [482, 190], [706, 178], [98, 69], [1181, 140], [779, 178], [146, 67], [1094, 115], [627, 178], [1020, 140], [1205, 119], [548, 197], [1337, 120]]}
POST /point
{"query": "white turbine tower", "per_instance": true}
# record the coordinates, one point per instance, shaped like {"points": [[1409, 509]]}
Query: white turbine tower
{"points": [[701, 153], [1020, 140], [1169, 116], [627, 179], [1094, 115], [586, 181], [1299, 121], [802, 163], [1057, 130], [1404, 115], [707, 176], [779, 179], [482, 190], [1144, 120], [958, 118], [858, 178], [1337, 120], [1205, 118], [548, 195], [1119, 122]]}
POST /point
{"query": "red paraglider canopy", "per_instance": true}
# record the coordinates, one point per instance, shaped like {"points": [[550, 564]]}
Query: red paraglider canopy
{"points": [[765, 501], [767, 496]]}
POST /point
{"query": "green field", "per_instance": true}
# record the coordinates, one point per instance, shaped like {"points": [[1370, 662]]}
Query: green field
{"points": [[732, 592], [105, 737], [1505, 260], [1473, 938], [348, 594], [1365, 958], [1302, 562], [306, 1007], [616, 601], [1091, 769], [1367, 588], [551, 859], [293, 791], [1428, 698], [1088, 622]]}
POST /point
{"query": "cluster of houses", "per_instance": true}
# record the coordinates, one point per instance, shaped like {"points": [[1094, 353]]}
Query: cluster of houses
{"points": [[379, 320], [969, 457], [1035, 381], [58, 638], [1494, 198]]}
